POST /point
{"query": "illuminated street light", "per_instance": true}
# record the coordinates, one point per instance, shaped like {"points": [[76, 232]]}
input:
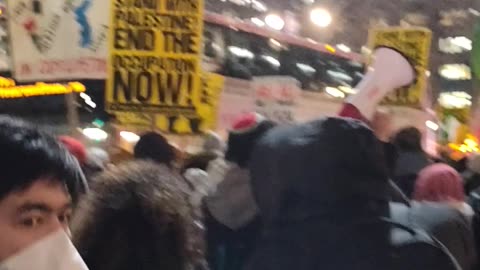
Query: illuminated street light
{"points": [[320, 17], [275, 22]]}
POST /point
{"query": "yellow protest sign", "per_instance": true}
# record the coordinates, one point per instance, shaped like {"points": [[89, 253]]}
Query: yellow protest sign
{"points": [[210, 89], [130, 119], [414, 44], [154, 61]]}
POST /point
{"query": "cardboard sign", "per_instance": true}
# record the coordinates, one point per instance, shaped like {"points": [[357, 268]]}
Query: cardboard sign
{"points": [[58, 39], [414, 44], [154, 63], [275, 97]]}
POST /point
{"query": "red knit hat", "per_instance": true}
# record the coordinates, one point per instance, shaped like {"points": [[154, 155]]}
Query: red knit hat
{"points": [[439, 183], [75, 147], [247, 122], [246, 130]]}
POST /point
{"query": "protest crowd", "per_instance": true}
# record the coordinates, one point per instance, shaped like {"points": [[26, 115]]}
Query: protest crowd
{"points": [[327, 194]]}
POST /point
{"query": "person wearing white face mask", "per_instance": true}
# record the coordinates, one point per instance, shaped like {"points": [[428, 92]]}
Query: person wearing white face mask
{"points": [[40, 182]]}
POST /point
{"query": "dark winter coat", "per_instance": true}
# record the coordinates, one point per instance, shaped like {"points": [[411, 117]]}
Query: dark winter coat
{"points": [[322, 190], [407, 167], [443, 222], [232, 221]]}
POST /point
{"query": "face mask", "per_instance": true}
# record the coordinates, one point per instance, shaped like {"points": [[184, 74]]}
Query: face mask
{"points": [[55, 252]]}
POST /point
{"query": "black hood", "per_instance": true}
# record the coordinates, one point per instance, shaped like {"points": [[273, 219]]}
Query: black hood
{"points": [[332, 166]]}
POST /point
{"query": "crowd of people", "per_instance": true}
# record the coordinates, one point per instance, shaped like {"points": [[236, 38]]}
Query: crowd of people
{"points": [[333, 193]]}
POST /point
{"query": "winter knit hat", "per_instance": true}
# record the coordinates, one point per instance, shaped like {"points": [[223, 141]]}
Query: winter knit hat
{"points": [[75, 147], [246, 131], [439, 183]]}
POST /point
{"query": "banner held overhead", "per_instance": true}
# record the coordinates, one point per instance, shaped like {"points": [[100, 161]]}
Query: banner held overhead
{"points": [[414, 44], [154, 62]]}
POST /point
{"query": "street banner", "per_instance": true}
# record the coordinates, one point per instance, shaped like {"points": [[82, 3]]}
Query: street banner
{"points": [[58, 39], [276, 96], [236, 99], [154, 63], [414, 44]]}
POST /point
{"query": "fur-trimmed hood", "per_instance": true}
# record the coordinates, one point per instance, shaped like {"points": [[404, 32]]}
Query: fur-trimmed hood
{"points": [[137, 216]]}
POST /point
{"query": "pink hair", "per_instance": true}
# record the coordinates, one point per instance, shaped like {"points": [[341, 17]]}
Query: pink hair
{"points": [[439, 183]]}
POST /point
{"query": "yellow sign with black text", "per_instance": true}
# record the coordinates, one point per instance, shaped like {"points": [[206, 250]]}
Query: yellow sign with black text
{"points": [[207, 110], [154, 63], [413, 43]]}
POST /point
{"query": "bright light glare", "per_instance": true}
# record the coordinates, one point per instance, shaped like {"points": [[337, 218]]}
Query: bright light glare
{"points": [[320, 17], [334, 92], [339, 75], [275, 42], [431, 125], [91, 103], [347, 89], [457, 100], [272, 60], [275, 22], [306, 68], [344, 48], [241, 52], [259, 6], [257, 22], [95, 134], [85, 96], [461, 94], [129, 136], [462, 42], [455, 72]]}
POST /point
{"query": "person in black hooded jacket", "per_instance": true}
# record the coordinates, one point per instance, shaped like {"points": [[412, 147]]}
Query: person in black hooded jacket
{"points": [[323, 194]]}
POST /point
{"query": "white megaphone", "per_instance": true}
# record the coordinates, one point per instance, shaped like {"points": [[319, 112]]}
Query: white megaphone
{"points": [[389, 70]]}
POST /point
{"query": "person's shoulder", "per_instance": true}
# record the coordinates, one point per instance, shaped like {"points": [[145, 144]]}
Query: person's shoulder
{"points": [[438, 217]]}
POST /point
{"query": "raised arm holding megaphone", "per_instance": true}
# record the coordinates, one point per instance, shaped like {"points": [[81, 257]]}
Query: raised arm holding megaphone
{"points": [[389, 71]]}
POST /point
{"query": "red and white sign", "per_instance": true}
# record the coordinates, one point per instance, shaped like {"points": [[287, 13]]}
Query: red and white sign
{"points": [[236, 99], [276, 96]]}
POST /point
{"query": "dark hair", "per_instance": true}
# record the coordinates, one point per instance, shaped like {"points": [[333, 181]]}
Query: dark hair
{"points": [[28, 154], [408, 140], [136, 216], [155, 147]]}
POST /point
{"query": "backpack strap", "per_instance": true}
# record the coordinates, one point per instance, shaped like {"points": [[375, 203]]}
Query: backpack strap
{"points": [[419, 233]]}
